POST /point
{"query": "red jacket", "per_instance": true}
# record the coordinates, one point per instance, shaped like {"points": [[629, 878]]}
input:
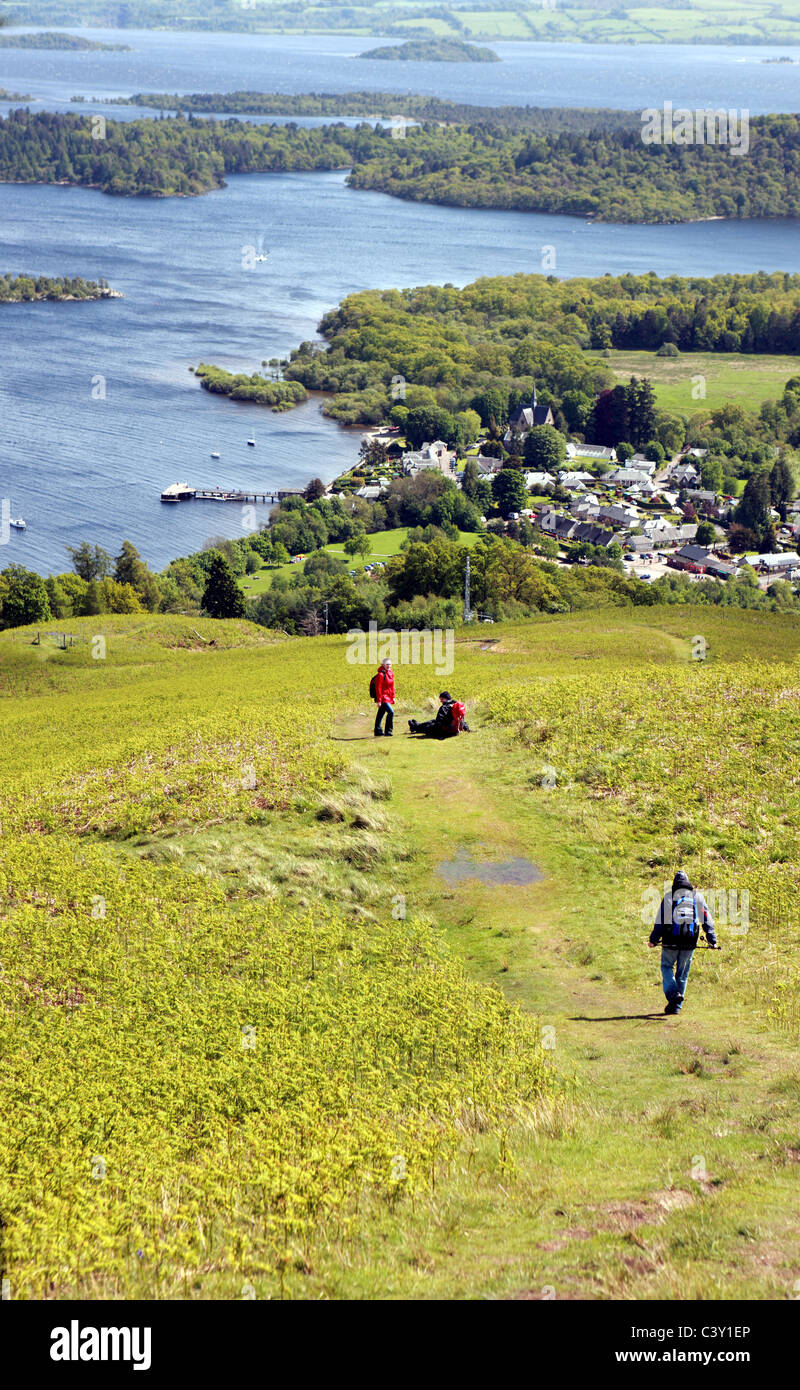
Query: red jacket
{"points": [[384, 686]]}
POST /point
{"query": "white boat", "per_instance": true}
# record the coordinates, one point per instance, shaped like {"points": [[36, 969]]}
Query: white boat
{"points": [[252, 443], [215, 456], [177, 492], [19, 524]]}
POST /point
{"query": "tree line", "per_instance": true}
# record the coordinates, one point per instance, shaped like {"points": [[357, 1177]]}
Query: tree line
{"points": [[15, 289], [511, 575], [548, 119], [431, 359], [164, 157], [608, 174], [239, 386]]}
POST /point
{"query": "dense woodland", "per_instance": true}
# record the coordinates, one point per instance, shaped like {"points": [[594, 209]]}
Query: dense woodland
{"points": [[280, 395], [168, 157], [482, 348], [611, 176], [607, 174]]}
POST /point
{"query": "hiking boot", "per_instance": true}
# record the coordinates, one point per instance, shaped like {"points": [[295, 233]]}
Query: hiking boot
{"points": [[671, 1008], [379, 733]]}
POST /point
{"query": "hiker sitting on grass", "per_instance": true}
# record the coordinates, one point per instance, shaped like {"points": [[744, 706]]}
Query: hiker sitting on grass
{"points": [[677, 926], [449, 719]]}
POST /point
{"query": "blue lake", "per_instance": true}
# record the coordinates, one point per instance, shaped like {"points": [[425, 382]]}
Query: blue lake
{"points": [[85, 458]]}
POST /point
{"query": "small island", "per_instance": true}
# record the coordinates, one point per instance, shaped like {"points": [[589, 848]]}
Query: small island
{"points": [[57, 39], [23, 289], [13, 96], [433, 51]]}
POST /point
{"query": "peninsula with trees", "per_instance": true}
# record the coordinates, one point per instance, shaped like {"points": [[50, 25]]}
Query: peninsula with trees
{"points": [[23, 289], [256, 388], [547, 120], [608, 175], [53, 40]]}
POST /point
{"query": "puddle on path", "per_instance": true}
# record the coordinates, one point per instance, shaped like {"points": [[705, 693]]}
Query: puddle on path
{"points": [[514, 871]]}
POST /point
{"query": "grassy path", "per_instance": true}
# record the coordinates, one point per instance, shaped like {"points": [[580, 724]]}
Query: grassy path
{"points": [[674, 1170]]}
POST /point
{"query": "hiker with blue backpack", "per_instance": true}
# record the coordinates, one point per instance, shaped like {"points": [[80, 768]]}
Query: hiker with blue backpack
{"points": [[682, 914]]}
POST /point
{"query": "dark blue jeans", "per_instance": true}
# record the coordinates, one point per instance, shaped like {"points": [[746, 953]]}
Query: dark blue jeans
{"points": [[386, 711], [675, 967]]}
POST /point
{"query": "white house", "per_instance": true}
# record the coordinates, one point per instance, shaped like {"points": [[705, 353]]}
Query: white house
{"points": [[591, 451], [573, 479], [628, 477], [435, 455], [684, 475], [538, 482], [487, 464]]}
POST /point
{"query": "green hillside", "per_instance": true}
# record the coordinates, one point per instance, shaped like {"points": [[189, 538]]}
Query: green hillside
{"points": [[253, 1037], [582, 21]]}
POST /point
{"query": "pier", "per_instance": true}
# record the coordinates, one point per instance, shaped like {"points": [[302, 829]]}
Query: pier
{"points": [[182, 492]]}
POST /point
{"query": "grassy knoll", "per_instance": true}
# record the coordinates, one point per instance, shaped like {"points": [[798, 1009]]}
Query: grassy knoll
{"points": [[729, 377], [188, 857], [384, 545]]}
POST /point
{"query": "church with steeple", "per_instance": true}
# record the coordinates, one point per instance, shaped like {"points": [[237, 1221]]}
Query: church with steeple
{"points": [[526, 416]]}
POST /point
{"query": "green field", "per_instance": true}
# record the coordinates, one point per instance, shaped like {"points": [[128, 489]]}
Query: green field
{"points": [[727, 377], [705, 21], [251, 1036], [384, 544]]}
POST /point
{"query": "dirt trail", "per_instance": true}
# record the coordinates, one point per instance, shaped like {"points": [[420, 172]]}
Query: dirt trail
{"points": [[682, 1154]]}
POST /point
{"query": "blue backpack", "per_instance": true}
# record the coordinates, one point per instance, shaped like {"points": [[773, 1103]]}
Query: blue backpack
{"points": [[685, 926]]}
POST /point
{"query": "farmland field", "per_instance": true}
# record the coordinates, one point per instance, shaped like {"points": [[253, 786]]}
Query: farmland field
{"points": [[604, 22], [252, 1037], [727, 377]]}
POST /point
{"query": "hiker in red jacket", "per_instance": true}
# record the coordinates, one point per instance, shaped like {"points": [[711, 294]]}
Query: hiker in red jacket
{"points": [[383, 682]]}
